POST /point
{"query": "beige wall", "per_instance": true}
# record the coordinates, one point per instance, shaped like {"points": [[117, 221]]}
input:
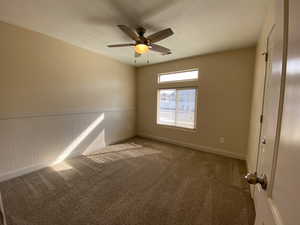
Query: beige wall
{"points": [[52, 93], [57, 99], [257, 94], [224, 99]]}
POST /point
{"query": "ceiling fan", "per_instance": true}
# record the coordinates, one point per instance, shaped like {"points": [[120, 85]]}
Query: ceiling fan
{"points": [[144, 44]]}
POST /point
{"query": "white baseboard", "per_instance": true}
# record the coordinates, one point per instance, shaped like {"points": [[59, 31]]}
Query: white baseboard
{"points": [[217, 151], [22, 171]]}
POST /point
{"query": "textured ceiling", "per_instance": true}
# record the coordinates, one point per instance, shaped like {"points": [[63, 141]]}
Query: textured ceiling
{"points": [[200, 26]]}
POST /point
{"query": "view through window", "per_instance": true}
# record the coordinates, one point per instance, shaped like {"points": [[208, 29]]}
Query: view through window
{"points": [[176, 107], [178, 76]]}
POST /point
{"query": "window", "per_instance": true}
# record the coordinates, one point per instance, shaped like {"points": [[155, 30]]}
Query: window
{"points": [[178, 76], [176, 107]]}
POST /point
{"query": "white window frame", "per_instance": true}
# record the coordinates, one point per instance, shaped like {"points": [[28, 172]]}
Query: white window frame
{"points": [[175, 72], [175, 126]]}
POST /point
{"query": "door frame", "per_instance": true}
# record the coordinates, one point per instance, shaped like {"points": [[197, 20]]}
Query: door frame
{"points": [[268, 193], [281, 95], [266, 54]]}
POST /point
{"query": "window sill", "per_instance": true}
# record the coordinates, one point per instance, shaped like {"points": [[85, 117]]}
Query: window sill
{"points": [[192, 130]]}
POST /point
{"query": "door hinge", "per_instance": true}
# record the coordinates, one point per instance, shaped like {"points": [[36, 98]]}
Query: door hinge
{"points": [[261, 118], [266, 54]]}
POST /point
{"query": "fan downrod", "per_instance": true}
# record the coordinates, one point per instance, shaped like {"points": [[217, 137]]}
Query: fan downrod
{"points": [[141, 31]]}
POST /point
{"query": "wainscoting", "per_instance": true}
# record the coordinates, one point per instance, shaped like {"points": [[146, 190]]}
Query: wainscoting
{"points": [[30, 142]]}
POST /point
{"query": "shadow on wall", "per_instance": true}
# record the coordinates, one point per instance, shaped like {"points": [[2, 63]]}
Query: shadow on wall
{"points": [[93, 136], [96, 132]]}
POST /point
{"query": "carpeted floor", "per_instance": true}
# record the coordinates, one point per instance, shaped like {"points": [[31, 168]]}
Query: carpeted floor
{"points": [[140, 182]]}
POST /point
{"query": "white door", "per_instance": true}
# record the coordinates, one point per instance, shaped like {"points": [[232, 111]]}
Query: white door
{"points": [[279, 156]]}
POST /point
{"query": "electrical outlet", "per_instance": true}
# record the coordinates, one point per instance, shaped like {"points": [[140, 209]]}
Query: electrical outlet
{"points": [[222, 140]]}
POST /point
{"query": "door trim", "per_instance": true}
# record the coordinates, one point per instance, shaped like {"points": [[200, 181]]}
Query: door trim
{"points": [[263, 100], [281, 96], [275, 212], [266, 196]]}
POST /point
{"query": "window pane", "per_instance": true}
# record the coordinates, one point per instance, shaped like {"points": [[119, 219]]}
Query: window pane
{"points": [[167, 107], [185, 109], [176, 107], [181, 76]]}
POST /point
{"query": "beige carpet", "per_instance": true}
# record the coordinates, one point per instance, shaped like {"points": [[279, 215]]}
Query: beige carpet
{"points": [[141, 182]]}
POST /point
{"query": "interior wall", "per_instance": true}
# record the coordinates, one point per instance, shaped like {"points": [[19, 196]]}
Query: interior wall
{"points": [[224, 97], [58, 100], [258, 87]]}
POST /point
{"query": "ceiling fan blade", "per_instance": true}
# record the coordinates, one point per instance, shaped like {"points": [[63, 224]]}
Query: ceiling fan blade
{"points": [[161, 49], [120, 45], [129, 32], [158, 36], [137, 54]]}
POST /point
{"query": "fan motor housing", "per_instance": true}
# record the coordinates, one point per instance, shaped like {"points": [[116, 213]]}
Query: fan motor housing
{"points": [[141, 31]]}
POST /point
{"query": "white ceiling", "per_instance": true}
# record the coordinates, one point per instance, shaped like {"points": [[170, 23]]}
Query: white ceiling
{"points": [[200, 26]]}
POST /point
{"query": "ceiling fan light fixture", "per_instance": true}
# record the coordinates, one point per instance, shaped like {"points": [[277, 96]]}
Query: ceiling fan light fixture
{"points": [[141, 48], [144, 44]]}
